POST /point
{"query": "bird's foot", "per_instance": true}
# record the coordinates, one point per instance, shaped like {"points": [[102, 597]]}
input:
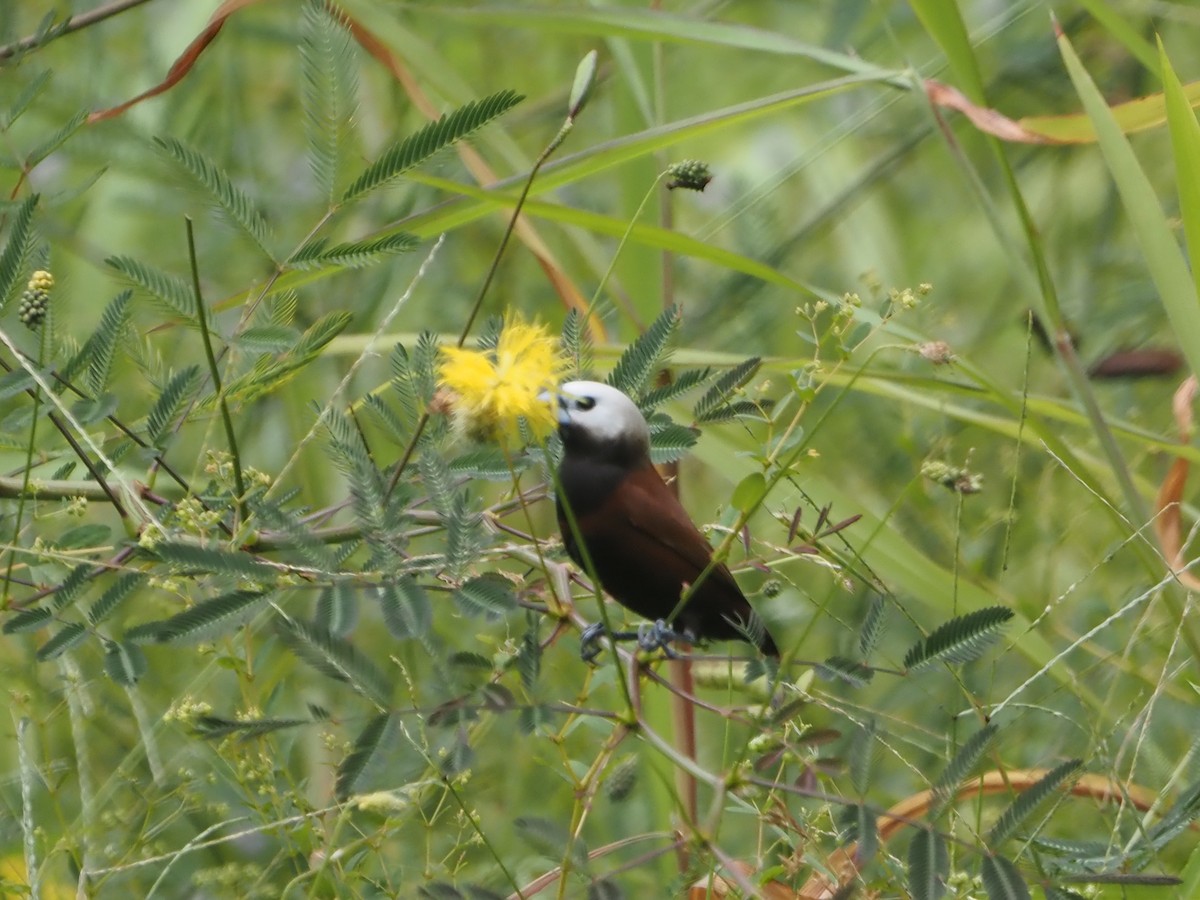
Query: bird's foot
{"points": [[658, 636], [589, 640]]}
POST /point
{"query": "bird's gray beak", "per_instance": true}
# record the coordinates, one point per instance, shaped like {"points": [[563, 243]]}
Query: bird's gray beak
{"points": [[564, 418]]}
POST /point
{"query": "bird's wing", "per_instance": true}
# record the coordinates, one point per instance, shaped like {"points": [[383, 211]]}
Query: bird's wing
{"points": [[649, 507]]}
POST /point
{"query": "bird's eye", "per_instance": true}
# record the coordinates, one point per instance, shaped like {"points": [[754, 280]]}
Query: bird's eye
{"points": [[585, 403]]}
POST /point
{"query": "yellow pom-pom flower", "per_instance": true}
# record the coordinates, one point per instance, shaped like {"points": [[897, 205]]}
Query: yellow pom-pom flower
{"points": [[493, 390]]}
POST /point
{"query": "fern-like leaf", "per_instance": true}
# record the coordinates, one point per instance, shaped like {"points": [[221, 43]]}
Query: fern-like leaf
{"points": [[1178, 817], [645, 355], [337, 609], [725, 385], [330, 86], [179, 389], [215, 727], [315, 551], [669, 441], [175, 293], [736, 409], [1002, 880], [208, 619], [27, 620], [56, 140], [487, 595], [370, 741], [960, 767], [960, 640], [267, 339], [233, 200], [414, 150], [117, 592], [868, 635], [577, 344], [271, 374], [71, 586], [101, 346], [862, 757], [70, 635], [1021, 808], [192, 559], [353, 255], [842, 668], [928, 865], [34, 85], [336, 658], [124, 662], [680, 385], [16, 251], [406, 609]]}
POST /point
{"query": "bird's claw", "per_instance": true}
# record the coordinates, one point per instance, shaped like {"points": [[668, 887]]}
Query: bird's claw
{"points": [[657, 636], [589, 642]]}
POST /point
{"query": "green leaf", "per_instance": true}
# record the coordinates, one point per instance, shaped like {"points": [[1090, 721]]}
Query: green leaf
{"points": [[872, 627], [1178, 817], [70, 635], [194, 559], [416, 149], [1020, 809], [669, 441], [959, 767], [353, 255], [843, 668], [124, 662], [174, 292], [960, 640], [550, 839], [717, 396], [16, 251], [56, 140], [315, 552], [117, 592], [267, 339], [336, 658], [28, 620], [209, 618], [749, 493], [487, 595], [330, 77], [101, 346], [90, 535], [238, 206], [577, 344], [71, 585], [337, 609], [928, 865], [214, 727], [1185, 147], [372, 742], [680, 384], [406, 609], [1166, 263], [645, 355], [179, 389], [1002, 881], [862, 757]]}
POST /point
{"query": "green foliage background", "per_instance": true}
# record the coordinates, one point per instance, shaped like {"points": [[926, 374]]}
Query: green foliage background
{"points": [[294, 668]]}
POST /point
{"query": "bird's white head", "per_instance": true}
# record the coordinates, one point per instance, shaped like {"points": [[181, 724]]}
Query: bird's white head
{"points": [[596, 418]]}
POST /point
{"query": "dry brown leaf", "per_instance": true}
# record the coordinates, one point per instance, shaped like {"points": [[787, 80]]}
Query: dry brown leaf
{"points": [[183, 64], [1097, 787], [478, 167], [1168, 506], [984, 118]]}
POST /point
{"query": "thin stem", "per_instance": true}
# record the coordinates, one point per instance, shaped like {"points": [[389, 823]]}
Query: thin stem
{"points": [[37, 402], [74, 23], [410, 448], [239, 483]]}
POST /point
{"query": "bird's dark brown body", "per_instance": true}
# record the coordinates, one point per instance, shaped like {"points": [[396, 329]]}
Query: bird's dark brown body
{"points": [[640, 542]]}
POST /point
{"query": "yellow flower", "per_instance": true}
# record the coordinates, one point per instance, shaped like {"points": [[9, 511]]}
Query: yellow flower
{"points": [[494, 389]]}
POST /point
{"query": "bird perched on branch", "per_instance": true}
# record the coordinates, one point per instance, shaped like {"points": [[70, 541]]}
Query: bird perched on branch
{"points": [[621, 522]]}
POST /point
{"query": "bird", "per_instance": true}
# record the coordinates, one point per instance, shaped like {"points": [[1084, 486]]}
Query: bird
{"points": [[621, 523]]}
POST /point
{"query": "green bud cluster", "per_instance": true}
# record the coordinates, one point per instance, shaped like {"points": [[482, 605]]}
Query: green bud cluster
{"points": [[691, 174], [36, 299]]}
